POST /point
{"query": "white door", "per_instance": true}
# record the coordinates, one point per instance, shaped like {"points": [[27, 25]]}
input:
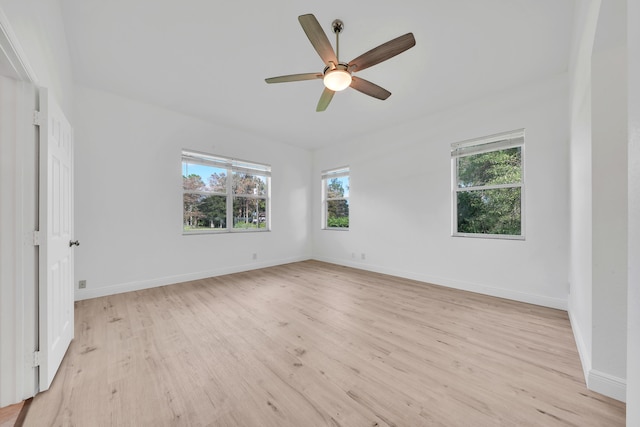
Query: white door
{"points": [[56, 234]]}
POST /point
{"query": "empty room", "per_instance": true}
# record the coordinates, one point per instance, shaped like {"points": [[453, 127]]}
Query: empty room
{"points": [[417, 213]]}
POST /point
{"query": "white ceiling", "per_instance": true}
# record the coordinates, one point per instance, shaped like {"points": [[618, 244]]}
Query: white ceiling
{"points": [[209, 58]]}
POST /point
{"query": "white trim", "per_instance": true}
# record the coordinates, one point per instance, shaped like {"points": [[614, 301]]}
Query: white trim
{"points": [[23, 314], [496, 142], [335, 173], [237, 165], [18, 276], [489, 236], [583, 350], [325, 176], [557, 303], [231, 166], [13, 52], [82, 294], [606, 384], [503, 136]]}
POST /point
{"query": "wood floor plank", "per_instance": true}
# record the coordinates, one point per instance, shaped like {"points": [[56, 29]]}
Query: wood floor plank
{"points": [[314, 344], [9, 414]]}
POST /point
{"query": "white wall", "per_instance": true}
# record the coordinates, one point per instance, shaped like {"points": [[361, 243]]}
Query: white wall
{"points": [[633, 296], [129, 198], [598, 239], [609, 214], [39, 28], [580, 236], [400, 200]]}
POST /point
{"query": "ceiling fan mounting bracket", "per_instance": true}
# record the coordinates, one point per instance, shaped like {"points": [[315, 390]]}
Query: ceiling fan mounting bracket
{"points": [[337, 26]]}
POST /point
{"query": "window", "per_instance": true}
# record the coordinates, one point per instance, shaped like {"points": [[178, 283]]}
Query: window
{"points": [[488, 187], [213, 203], [335, 199]]}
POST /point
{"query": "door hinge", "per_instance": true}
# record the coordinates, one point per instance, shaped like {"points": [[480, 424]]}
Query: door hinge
{"points": [[36, 118], [36, 238], [36, 359]]}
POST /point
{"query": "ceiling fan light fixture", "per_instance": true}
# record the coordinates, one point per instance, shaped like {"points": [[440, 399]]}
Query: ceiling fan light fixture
{"points": [[336, 75], [337, 79]]}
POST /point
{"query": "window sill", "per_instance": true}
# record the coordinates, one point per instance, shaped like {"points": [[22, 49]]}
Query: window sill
{"points": [[200, 232], [488, 236]]}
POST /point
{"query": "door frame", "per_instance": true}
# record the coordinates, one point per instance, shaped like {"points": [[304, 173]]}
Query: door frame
{"points": [[20, 316]]}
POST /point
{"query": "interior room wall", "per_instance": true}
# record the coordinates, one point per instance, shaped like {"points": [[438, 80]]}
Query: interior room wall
{"points": [[598, 238], [128, 212], [39, 28], [609, 183], [633, 295], [400, 200], [580, 236]]}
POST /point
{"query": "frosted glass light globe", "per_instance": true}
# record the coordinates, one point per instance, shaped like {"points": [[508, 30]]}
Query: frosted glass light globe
{"points": [[337, 80]]}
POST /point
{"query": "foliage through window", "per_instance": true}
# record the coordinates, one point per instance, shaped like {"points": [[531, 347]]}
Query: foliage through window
{"points": [[213, 203], [335, 198], [489, 186]]}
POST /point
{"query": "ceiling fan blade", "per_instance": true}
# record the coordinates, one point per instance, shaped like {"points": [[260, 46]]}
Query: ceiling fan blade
{"points": [[368, 88], [325, 99], [294, 78], [383, 52], [318, 38]]}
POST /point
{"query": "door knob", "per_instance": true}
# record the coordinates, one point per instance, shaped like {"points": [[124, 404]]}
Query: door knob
{"points": [[72, 243]]}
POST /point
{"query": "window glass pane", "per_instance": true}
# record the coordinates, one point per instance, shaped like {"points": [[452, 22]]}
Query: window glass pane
{"points": [[338, 187], [209, 193], [338, 213], [218, 181], [204, 212], [197, 177], [244, 183], [249, 213], [494, 167], [489, 211]]}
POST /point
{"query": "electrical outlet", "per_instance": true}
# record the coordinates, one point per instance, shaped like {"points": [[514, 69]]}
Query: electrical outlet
{"points": [[82, 284], [363, 256], [255, 256]]}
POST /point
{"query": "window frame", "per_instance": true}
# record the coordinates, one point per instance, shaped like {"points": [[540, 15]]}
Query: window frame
{"points": [[232, 166], [325, 176], [491, 143]]}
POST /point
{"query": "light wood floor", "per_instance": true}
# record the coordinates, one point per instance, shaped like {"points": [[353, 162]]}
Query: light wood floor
{"points": [[314, 344], [9, 414]]}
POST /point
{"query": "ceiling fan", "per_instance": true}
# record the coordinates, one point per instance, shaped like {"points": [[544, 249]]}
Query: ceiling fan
{"points": [[338, 75]]}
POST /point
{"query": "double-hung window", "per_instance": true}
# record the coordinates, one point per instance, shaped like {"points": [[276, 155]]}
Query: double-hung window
{"points": [[335, 199], [222, 194], [488, 186]]}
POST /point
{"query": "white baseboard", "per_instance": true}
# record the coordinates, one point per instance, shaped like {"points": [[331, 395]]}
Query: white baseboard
{"points": [[608, 385], [583, 350], [557, 303], [597, 381], [82, 294]]}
